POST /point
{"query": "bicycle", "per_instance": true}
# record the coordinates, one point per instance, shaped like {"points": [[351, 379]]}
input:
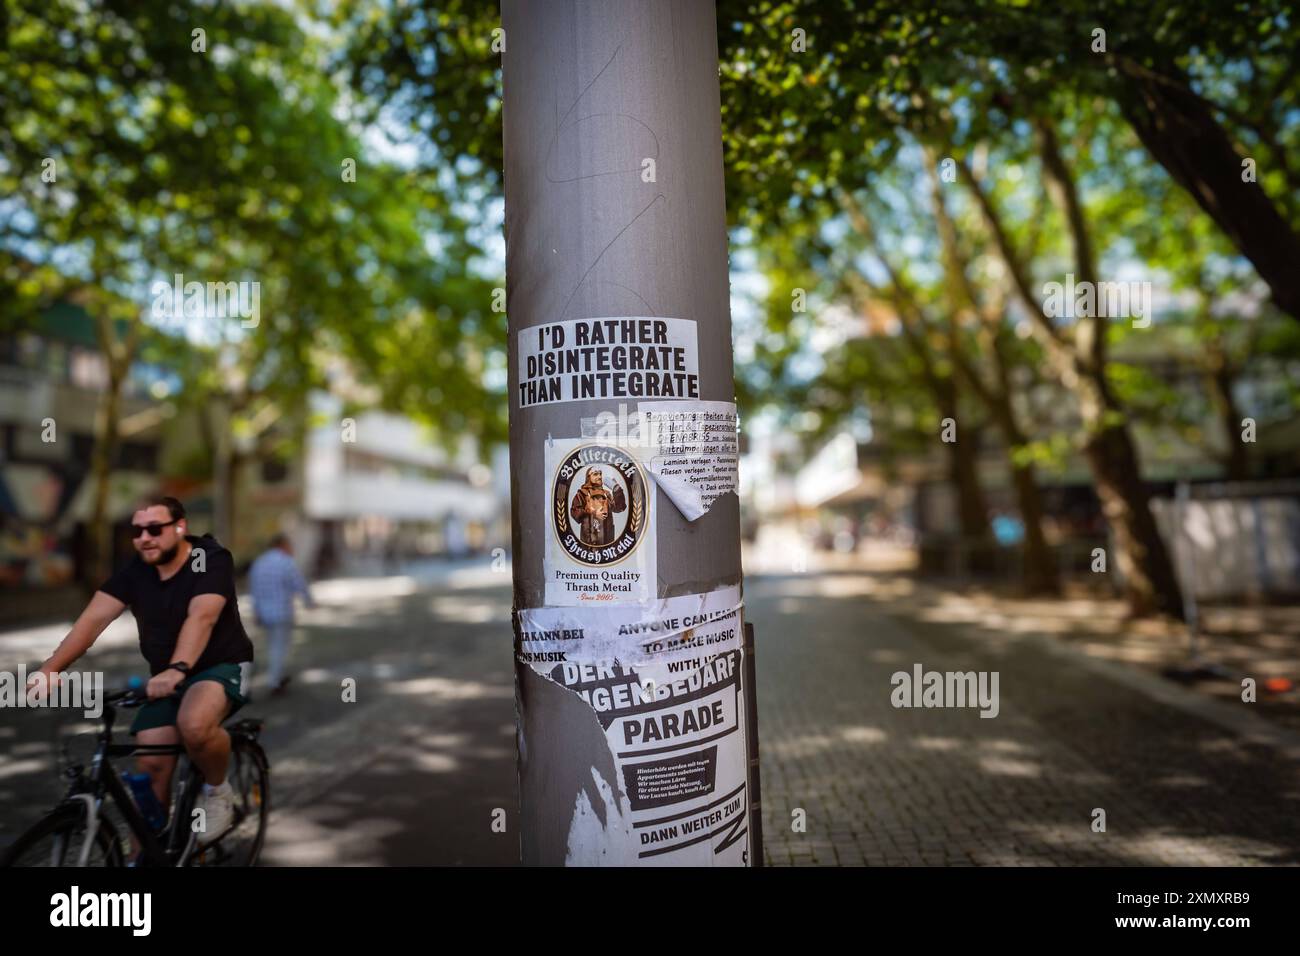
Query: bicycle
{"points": [[77, 832]]}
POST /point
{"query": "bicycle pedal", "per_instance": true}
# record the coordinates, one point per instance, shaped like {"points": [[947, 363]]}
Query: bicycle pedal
{"points": [[212, 855], [211, 844]]}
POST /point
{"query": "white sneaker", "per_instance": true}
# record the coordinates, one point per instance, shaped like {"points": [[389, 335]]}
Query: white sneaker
{"points": [[218, 805]]}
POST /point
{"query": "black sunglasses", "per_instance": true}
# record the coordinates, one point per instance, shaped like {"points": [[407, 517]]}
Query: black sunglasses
{"points": [[154, 529]]}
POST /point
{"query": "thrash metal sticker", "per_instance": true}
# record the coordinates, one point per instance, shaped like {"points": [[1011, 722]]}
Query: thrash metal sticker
{"points": [[601, 548]]}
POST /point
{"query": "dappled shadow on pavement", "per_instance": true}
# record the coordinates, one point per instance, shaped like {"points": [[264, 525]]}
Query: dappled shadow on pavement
{"points": [[880, 784], [420, 768]]}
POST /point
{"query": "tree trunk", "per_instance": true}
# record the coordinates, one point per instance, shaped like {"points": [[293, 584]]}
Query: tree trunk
{"points": [[971, 505], [1150, 585], [1149, 581], [963, 469], [231, 492], [99, 526], [222, 466], [1040, 571], [1179, 129], [1236, 461], [118, 357], [1040, 575]]}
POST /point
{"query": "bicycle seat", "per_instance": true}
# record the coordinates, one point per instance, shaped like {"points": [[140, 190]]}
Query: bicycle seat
{"points": [[248, 727]]}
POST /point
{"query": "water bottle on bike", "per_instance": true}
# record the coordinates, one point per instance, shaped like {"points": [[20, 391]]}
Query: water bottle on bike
{"points": [[141, 787]]}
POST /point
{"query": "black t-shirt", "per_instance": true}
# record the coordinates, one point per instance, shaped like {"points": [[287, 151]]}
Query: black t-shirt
{"points": [[160, 607]]}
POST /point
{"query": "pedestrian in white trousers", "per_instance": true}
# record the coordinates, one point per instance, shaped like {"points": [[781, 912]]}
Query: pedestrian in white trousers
{"points": [[274, 580]]}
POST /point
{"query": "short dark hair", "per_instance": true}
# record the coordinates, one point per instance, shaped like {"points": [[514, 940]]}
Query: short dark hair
{"points": [[173, 506]]}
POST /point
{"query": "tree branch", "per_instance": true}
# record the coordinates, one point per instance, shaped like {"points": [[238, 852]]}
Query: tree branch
{"points": [[1089, 331], [1058, 350]]}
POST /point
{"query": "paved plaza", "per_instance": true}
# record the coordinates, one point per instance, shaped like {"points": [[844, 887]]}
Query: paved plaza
{"points": [[416, 769]]}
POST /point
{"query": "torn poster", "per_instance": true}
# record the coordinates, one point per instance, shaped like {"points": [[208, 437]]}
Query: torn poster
{"points": [[695, 451], [608, 358], [690, 449], [669, 629], [676, 731], [601, 545]]}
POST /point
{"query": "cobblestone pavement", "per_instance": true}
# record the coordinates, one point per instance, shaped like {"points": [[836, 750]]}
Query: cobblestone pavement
{"points": [[420, 766], [936, 786]]}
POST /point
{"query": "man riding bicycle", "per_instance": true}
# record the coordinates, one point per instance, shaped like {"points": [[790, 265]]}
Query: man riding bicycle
{"points": [[181, 589]]}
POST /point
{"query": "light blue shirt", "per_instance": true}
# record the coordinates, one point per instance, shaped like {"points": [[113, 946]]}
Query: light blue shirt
{"points": [[273, 580]]}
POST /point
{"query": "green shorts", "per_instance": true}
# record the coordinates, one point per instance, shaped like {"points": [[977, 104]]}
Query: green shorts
{"points": [[162, 713]]}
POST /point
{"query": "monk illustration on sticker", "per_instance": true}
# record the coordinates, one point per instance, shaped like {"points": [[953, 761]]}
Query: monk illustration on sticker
{"points": [[594, 508], [598, 489]]}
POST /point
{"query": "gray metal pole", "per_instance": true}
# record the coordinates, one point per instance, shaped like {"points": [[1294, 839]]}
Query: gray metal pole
{"points": [[615, 208]]}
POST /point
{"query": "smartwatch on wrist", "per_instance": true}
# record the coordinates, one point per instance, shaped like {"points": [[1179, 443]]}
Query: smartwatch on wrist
{"points": [[178, 666]]}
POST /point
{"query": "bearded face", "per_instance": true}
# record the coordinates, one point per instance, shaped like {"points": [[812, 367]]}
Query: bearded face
{"points": [[163, 547], [594, 506]]}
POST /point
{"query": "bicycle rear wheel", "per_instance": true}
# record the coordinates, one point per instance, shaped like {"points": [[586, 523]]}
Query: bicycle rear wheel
{"points": [[250, 778], [57, 839]]}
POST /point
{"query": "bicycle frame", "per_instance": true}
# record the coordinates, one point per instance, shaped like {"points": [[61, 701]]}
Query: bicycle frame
{"points": [[176, 843], [103, 781]]}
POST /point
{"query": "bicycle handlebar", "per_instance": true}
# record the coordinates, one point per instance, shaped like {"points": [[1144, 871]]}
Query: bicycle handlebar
{"points": [[135, 695], [127, 698]]}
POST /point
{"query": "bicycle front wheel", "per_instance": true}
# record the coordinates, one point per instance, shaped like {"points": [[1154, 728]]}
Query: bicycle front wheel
{"points": [[58, 838]]}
